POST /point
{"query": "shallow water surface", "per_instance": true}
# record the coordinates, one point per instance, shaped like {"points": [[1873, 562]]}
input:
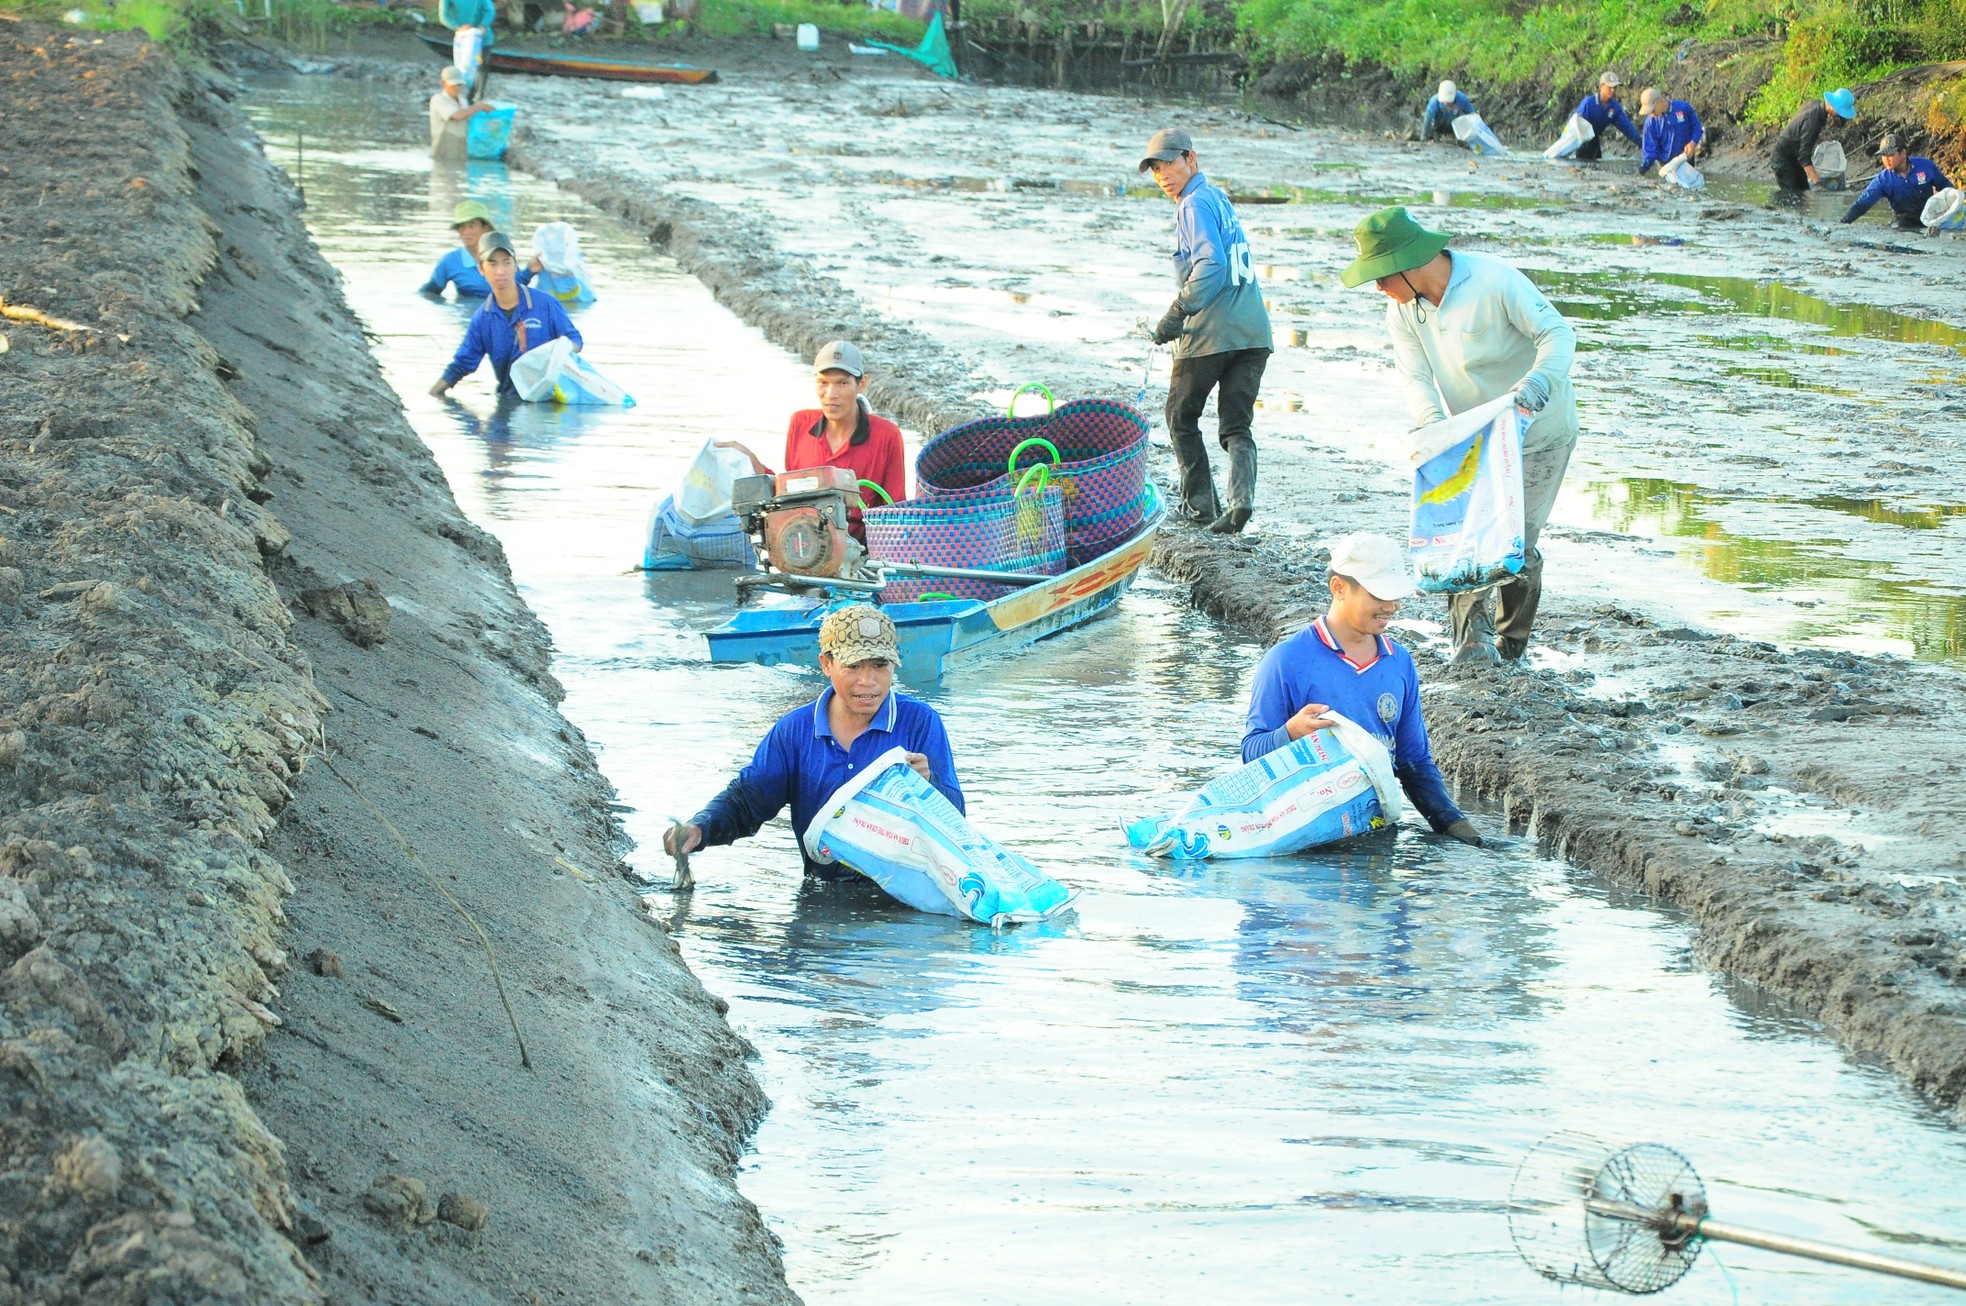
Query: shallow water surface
{"points": [[1243, 1081]]}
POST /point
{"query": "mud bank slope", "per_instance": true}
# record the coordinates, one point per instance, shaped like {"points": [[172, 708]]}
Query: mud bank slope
{"points": [[1676, 758], [230, 1003]]}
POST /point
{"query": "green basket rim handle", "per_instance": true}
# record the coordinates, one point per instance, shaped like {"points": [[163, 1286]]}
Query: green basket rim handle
{"points": [[937, 596], [1051, 405], [1039, 470], [1022, 445], [877, 488]]}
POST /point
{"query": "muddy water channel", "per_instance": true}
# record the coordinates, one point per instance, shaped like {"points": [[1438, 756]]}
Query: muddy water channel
{"points": [[1259, 1081]]}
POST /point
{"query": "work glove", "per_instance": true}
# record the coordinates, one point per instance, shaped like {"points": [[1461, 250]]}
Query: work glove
{"points": [[1531, 393], [1170, 326], [1464, 830], [1144, 329]]}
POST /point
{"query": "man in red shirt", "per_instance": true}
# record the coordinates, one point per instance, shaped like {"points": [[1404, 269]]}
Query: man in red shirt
{"points": [[843, 432]]}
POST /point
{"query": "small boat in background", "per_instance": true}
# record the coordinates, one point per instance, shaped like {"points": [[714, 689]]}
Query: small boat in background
{"points": [[544, 63]]}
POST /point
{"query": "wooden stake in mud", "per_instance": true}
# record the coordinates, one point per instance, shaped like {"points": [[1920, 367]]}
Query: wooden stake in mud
{"points": [[490, 955]]}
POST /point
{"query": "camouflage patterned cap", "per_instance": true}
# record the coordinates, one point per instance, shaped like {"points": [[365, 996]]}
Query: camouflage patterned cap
{"points": [[859, 633]]}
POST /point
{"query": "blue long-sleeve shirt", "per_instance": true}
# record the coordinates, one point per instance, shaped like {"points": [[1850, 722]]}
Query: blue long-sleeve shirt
{"points": [[1440, 117], [1220, 304], [1668, 134], [1382, 696], [458, 268], [1906, 194], [800, 761], [1601, 114], [495, 333]]}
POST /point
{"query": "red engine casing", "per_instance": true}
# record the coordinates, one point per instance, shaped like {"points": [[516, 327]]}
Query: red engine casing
{"points": [[805, 541]]}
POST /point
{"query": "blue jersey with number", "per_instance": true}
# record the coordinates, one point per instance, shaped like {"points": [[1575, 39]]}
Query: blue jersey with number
{"points": [[1220, 301]]}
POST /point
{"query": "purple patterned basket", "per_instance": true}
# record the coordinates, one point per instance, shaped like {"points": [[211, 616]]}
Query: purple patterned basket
{"points": [[1102, 471], [998, 534]]}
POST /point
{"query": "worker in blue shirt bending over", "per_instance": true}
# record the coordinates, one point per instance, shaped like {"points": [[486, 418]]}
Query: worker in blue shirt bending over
{"points": [[1603, 112], [472, 222], [1343, 662], [1905, 182], [1672, 129], [819, 746], [1220, 332], [1449, 103], [512, 320]]}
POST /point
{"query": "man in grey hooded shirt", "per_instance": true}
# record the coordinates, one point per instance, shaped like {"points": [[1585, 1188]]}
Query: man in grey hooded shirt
{"points": [[1220, 330]]}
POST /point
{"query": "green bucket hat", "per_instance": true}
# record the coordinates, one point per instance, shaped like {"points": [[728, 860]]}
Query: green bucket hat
{"points": [[1391, 241]]}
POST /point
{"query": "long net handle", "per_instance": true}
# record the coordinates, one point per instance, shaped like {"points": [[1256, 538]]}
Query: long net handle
{"points": [[1680, 1226]]}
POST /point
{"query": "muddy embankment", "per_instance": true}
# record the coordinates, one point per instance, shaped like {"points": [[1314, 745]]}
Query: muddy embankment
{"points": [[248, 1053], [1667, 757]]}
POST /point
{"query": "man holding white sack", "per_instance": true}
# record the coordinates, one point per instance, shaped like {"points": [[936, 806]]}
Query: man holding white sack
{"points": [[1467, 329], [817, 747], [512, 320], [1344, 662], [1449, 102]]}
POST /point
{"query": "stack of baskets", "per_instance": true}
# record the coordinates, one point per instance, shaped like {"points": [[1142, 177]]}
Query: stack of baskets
{"points": [[978, 508]]}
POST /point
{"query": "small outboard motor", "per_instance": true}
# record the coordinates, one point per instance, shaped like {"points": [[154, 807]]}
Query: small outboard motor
{"points": [[800, 520]]}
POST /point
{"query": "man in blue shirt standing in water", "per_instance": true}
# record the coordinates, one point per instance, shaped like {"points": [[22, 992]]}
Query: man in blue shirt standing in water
{"points": [[819, 746], [1905, 182], [1602, 111], [512, 320], [1343, 662], [472, 222], [1220, 330]]}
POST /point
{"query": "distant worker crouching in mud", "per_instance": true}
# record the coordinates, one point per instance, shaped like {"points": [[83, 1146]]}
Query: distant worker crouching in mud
{"points": [[1344, 662], [819, 746], [450, 117], [1905, 182], [1672, 129], [1794, 152], [1437, 120], [843, 432], [1602, 111], [459, 266], [512, 320], [1221, 335], [1468, 329]]}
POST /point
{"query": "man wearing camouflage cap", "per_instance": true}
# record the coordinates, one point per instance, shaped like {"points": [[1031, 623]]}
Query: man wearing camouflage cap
{"points": [[817, 747]]}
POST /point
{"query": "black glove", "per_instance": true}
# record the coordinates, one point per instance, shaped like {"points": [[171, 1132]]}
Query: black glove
{"points": [[1850, 214], [1170, 326], [1464, 830]]}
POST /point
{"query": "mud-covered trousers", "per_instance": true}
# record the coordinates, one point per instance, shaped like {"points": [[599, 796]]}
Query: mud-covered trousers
{"points": [[1236, 376], [1508, 610]]}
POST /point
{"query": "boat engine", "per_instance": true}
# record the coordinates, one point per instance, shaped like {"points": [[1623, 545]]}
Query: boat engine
{"points": [[800, 520]]}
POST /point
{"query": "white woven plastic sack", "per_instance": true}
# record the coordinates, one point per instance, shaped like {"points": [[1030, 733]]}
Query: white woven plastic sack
{"points": [[1575, 133], [563, 273], [1679, 171], [675, 543], [898, 830], [1477, 135], [1467, 499], [1945, 211], [1329, 785], [704, 494], [468, 52], [554, 373]]}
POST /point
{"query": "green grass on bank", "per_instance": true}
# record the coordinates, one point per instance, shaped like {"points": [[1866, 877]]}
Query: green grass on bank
{"points": [[1827, 43]]}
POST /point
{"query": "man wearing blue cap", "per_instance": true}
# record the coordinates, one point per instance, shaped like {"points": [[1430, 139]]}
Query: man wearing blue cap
{"points": [[1220, 331], [1794, 152], [1905, 182]]}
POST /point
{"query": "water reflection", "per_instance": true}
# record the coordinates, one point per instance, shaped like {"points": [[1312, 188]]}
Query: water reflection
{"points": [[1930, 620]]}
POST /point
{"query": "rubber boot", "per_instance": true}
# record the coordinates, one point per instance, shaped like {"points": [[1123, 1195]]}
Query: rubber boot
{"points": [[1512, 649], [1474, 630], [1230, 522]]}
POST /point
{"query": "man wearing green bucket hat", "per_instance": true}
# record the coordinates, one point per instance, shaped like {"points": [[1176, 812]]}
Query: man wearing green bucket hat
{"points": [[1468, 329]]}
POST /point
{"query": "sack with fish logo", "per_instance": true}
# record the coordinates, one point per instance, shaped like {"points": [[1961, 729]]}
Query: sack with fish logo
{"points": [[1467, 499], [899, 831], [1330, 785]]}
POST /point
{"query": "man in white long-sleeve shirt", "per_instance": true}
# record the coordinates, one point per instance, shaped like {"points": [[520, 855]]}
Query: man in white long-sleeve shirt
{"points": [[1468, 329]]}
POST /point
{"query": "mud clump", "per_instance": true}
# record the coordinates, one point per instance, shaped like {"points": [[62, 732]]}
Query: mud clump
{"points": [[357, 606]]}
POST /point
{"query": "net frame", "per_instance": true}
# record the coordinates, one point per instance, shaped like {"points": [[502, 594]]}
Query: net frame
{"points": [[1560, 1236]]}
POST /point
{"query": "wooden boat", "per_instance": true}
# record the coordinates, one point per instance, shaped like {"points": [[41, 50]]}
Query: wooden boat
{"points": [[938, 636], [545, 63]]}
